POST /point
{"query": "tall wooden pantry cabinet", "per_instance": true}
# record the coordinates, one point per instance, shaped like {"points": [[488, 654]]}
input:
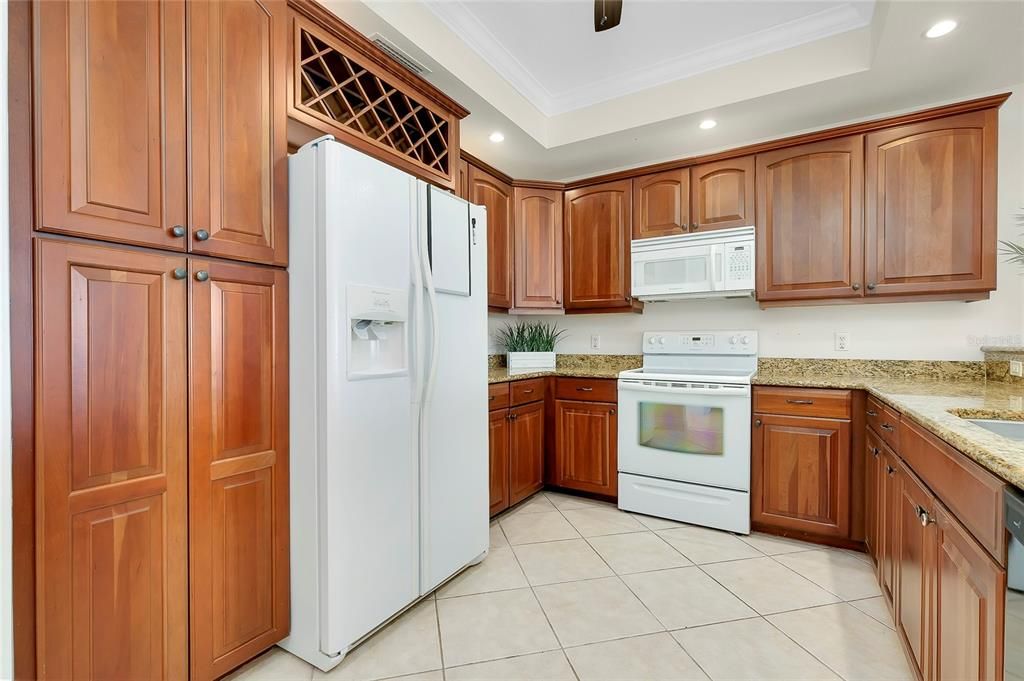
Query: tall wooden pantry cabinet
{"points": [[160, 336]]}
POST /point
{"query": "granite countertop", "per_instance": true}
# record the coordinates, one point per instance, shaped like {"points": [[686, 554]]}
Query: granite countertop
{"points": [[938, 404], [501, 375]]}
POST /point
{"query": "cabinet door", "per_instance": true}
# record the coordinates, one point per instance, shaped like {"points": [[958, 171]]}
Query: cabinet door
{"points": [[498, 446], [238, 464], [915, 555], [110, 139], [586, 441], [873, 474], [888, 525], [538, 248], [970, 599], [462, 180], [526, 451], [801, 474], [809, 217], [597, 235], [239, 151], [111, 463], [930, 217], [661, 204], [722, 194], [489, 191]]}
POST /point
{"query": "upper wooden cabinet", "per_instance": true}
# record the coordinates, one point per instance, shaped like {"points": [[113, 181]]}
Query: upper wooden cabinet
{"points": [[238, 170], [111, 136], [809, 208], [538, 248], [597, 232], [661, 204], [343, 84], [238, 464], [111, 463], [722, 194], [930, 212], [114, 136], [487, 190]]}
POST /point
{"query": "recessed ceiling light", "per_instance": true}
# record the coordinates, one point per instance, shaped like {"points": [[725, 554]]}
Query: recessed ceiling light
{"points": [[496, 137], [940, 29], [708, 123]]}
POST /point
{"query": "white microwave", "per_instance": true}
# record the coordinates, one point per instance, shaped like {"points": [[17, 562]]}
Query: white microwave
{"points": [[712, 264]]}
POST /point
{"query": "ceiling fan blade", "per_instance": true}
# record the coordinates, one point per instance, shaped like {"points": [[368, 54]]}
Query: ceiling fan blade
{"points": [[607, 14]]}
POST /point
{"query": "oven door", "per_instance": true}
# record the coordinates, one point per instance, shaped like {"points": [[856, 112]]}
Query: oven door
{"points": [[690, 432], [674, 270]]}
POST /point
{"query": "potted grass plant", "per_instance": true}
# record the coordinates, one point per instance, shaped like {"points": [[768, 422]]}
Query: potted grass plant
{"points": [[529, 346]]}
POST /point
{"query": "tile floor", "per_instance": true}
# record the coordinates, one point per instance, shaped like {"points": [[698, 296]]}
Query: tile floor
{"points": [[576, 589]]}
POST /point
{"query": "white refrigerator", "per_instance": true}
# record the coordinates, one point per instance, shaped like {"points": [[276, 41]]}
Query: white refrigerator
{"points": [[388, 363]]}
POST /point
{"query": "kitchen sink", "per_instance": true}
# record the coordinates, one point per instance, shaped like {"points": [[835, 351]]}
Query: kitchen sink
{"points": [[1013, 430]]}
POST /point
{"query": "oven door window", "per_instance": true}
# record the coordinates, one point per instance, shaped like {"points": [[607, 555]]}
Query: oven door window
{"points": [[683, 428]]}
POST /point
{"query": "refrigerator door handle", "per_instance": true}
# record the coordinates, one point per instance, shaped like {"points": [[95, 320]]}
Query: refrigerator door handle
{"points": [[419, 375]]}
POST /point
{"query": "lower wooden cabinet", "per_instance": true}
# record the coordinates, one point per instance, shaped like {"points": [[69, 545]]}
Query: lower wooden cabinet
{"points": [[888, 526], [586, 446], [498, 447], [161, 450], [516, 453], [914, 519]]}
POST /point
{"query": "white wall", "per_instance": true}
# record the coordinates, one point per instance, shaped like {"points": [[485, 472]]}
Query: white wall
{"points": [[6, 510], [948, 330]]}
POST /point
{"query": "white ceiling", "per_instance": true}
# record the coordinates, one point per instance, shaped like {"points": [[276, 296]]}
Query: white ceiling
{"points": [[882, 68], [551, 54]]}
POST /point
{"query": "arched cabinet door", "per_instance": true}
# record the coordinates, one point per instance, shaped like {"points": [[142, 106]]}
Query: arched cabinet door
{"points": [[597, 228], [723, 194], [661, 204], [538, 248], [930, 213], [487, 190]]}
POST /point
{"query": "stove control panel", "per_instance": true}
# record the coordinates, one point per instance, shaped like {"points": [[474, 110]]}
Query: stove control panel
{"points": [[700, 342]]}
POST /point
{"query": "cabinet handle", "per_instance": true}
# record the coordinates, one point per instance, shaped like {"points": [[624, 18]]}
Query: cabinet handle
{"points": [[612, 412], [528, 391], [872, 412], [177, 231], [799, 401], [202, 235], [693, 226], [490, 398], [585, 390], [889, 469], [871, 287], [757, 422], [512, 416], [856, 287], [874, 452], [886, 426], [179, 273], [926, 519], [202, 275]]}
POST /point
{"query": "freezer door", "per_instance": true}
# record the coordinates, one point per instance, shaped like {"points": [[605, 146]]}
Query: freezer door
{"points": [[454, 456]]}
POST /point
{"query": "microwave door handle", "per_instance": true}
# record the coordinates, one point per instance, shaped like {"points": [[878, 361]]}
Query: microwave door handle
{"points": [[717, 277]]}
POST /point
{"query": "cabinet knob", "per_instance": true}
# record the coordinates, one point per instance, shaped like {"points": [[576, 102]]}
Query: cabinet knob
{"points": [[925, 517], [202, 235], [693, 226], [177, 231], [202, 275], [757, 422], [872, 412], [874, 452], [871, 287], [490, 398], [856, 287], [889, 469], [179, 273], [611, 411]]}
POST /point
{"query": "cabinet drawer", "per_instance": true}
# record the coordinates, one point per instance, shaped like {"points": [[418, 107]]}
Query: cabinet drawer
{"points": [[497, 395], [885, 421], [529, 390], [973, 494], [814, 402], [589, 389]]}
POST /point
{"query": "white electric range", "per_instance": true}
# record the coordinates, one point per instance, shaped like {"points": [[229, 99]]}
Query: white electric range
{"points": [[684, 428]]}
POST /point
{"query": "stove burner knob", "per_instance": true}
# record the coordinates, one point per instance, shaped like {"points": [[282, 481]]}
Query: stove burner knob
{"points": [[661, 340], [734, 340], [651, 340], [746, 340]]}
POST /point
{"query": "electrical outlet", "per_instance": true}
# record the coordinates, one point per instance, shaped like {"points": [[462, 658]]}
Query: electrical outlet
{"points": [[842, 341], [1016, 367], [595, 342]]}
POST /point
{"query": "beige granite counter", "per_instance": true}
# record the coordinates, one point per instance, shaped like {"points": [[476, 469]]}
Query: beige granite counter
{"points": [[576, 366], [935, 403], [501, 375]]}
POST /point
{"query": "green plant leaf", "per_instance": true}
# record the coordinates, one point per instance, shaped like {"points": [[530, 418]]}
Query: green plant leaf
{"points": [[523, 336]]}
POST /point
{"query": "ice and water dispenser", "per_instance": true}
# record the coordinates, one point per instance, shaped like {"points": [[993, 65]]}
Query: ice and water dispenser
{"points": [[377, 332]]}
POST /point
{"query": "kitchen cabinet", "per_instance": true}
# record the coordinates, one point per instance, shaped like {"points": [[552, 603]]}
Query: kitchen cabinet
{"points": [[487, 190], [930, 206], [238, 169], [722, 194], [597, 229], [800, 478], [164, 128], [111, 462], [498, 445], [661, 204], [586, 447], [238, 463], [872, 478], [462, 181], [538, 249], [111, 140], [915, 563], [526, 451], [809, 217], [888, 526]]}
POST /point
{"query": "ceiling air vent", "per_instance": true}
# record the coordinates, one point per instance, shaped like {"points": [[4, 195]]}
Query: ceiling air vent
{"points": [[399, 55]]}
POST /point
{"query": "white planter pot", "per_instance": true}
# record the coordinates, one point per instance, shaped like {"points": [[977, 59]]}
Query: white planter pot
{"points": [[527, 362]]}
